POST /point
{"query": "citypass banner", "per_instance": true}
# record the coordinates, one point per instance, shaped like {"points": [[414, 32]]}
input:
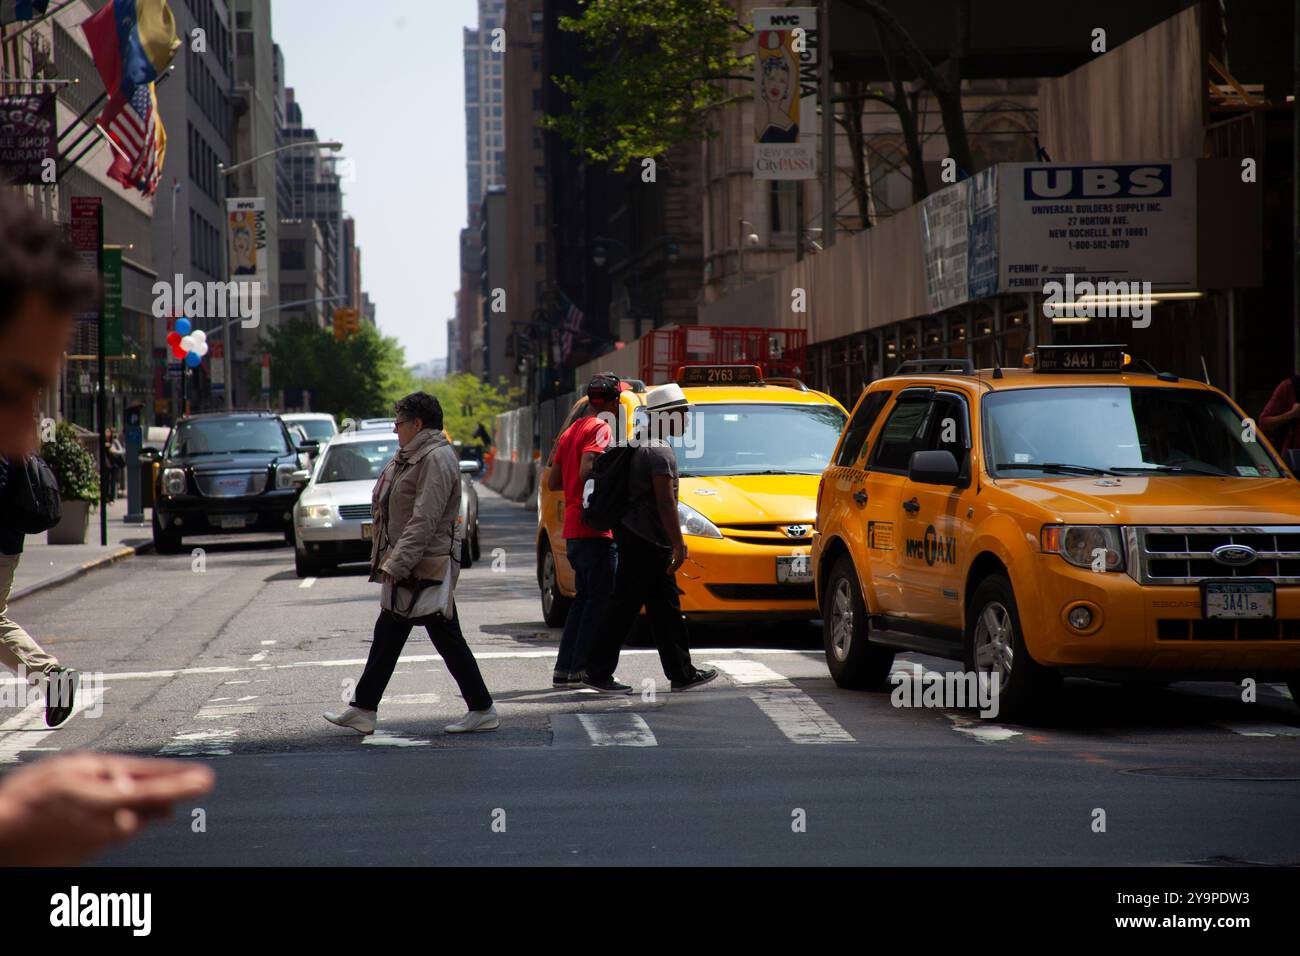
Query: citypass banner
{"points": [[246, 236], [786, 87], [28, 139]]}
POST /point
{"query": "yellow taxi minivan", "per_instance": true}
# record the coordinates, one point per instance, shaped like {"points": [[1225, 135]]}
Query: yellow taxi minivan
{"points": [[749, 464], [1081, 516]]}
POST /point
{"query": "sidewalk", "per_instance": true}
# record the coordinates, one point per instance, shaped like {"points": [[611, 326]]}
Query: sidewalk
{"points": [[45, 565]]}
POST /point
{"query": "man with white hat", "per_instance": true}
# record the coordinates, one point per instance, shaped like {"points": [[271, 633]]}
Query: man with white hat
{"points": [[650, 550]]}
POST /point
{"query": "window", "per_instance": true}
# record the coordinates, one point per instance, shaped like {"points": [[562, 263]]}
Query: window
{"points": [[860, 427], [903, 431], [783, 202]]}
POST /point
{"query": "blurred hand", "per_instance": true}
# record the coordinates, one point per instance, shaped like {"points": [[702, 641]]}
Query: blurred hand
{"points": [[64, 810], [679, 556]]}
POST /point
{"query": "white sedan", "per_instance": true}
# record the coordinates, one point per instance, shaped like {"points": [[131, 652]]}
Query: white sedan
{"points": [[332, 520]]}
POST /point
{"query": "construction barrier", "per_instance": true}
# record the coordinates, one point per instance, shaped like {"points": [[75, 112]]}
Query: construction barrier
{"points": [[519, 485]]}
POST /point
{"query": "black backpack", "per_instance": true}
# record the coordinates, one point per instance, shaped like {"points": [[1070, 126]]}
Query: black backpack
{"points": [[605, 493], [32, 503]]}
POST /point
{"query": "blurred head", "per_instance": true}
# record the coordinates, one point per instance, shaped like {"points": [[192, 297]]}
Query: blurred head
{"points": [[414, 414], [43, 285], [602, 392]]}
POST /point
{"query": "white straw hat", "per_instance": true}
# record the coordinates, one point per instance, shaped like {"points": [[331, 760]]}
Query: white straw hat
{"points": [[665, 397]]}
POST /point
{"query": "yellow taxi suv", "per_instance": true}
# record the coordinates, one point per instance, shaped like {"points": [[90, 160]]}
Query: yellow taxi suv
{"points": [[749, 465], [1080, 516]]}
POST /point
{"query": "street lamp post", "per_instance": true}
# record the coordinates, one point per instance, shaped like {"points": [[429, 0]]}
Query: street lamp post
{"points": [[223, 171]]}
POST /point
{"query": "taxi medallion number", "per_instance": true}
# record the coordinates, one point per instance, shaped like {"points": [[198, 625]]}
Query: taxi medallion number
{"points": [[1235, 600]]}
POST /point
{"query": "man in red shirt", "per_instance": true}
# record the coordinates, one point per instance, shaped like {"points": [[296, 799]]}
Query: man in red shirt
{"points": [[592, 554], [1280, 419]]}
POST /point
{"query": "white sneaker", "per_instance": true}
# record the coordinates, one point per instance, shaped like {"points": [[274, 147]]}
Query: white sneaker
{"points": [[476, 720], [362, 721]]}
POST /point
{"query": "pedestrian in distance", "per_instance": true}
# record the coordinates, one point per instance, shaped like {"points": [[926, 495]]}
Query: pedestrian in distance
{"points": [[1280, 418], [416, 504], [592, 554], [650, 550]]}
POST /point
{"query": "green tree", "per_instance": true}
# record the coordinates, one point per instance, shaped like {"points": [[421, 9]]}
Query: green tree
{"points": [[656, 71], [467, 403], [358, 377]]}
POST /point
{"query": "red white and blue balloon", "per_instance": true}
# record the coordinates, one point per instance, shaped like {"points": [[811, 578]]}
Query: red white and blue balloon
{"points": [[188, 344]]}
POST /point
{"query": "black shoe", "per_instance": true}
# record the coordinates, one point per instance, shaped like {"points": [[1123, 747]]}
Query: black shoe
{"points": [[702, 676], [60, 694], [606, 686], [566, 679]]}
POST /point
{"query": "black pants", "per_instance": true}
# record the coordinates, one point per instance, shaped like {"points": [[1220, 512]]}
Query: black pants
{"points": [[391, 633], [642, 580]]}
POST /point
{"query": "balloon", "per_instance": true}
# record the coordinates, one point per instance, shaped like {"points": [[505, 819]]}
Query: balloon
{"points": [[183, 326], [173, 339], [193, 360], [178, 353], [201, 348], [187, 343], [198, 335]]}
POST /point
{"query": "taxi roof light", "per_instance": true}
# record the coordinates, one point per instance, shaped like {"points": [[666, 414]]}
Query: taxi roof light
{"points": [[695, 375], [1078, 358]]}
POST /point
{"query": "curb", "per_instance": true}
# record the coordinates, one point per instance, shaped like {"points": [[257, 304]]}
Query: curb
{"points": [[81, 570]]}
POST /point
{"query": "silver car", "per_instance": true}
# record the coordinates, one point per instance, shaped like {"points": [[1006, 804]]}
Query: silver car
{"points": [[332, 520]]}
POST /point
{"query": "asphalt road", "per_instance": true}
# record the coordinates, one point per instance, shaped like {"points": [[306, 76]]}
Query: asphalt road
{"points": [[228, 657]]}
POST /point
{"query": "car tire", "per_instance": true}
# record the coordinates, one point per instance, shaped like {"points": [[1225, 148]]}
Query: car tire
{"points": [[466, 554], [994, 638], [305, 567], [555, 606], [290, 538], [854, 662], [475, 551], [1293, 685], [165, 542]]}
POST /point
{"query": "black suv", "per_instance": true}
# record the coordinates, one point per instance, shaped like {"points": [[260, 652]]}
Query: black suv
{"points": [[225, 473]]}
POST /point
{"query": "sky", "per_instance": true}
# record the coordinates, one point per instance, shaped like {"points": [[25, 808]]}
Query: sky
{"points": [[386, 78]]}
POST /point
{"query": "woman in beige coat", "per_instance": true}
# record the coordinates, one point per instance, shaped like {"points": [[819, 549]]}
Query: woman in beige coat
{"points": [[416, 503]]}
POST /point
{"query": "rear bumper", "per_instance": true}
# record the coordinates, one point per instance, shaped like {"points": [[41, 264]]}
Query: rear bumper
{"points": [[1150, 629]]}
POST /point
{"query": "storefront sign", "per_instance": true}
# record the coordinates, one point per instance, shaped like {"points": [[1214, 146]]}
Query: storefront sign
{"points": [[28, 139]]}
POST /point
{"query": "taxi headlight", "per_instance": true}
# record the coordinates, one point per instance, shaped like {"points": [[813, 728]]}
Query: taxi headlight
{"points": [[173, 480], [694, 523], [1086, 545]]}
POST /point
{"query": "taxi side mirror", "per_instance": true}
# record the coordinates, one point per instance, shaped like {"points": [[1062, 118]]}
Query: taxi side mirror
{"points": [[934, 468], [1293, 461]]}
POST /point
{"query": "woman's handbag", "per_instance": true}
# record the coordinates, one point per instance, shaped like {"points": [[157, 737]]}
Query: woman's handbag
{"points": [[413, 599]]}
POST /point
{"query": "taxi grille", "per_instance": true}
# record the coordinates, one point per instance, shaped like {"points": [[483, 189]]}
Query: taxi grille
{"points": [[354, 512], [1199, 629], [230, 484], [769, 534], [1185, 555]]}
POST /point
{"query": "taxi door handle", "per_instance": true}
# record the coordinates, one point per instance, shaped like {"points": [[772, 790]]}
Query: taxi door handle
{"points": [[912, 507], [860, 496]]}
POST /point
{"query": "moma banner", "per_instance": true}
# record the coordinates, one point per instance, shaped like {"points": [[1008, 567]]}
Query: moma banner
{"points": [[246, 235], [785, 92]]}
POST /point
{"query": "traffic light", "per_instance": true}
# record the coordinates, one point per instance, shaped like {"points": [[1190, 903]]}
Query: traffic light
{"points": [[347, 322]]}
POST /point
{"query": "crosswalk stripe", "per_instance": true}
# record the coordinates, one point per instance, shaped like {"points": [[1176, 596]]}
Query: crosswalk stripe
{"points": [[795, 714], [618, 730], [26, 729]]}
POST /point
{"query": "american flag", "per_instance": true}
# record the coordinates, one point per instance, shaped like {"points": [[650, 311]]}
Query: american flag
{"points": [[139, 141], [571, 318]]}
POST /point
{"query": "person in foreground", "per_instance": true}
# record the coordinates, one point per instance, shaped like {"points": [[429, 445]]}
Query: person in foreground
{"points": [[416, 503]]}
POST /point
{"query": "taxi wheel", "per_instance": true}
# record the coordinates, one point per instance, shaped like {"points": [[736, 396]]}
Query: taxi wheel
{"points": [[854, 662], [996, 643], [555, 606], [466, 555], [1293, 685]]}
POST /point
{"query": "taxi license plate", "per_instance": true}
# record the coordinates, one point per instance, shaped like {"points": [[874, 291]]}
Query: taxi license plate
{"points": [[367, 531], [1238, 600], [794, 569]]}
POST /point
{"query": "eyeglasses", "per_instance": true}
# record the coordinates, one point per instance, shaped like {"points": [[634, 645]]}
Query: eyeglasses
{"points": [[401, 421]]}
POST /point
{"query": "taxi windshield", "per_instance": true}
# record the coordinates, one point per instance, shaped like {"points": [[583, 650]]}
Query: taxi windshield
{"points": [[758, 439], [1119, 431]]}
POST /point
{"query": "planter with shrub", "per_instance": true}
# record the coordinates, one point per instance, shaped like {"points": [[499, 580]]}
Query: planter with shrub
{"points": [[78, 484]]}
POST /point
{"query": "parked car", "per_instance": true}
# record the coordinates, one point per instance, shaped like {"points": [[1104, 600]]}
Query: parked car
{"points": [[319, 426], [333, 524], [223, 473]]}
